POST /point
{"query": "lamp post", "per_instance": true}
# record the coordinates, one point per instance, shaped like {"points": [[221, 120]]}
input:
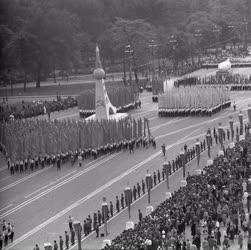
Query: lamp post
{"points": [[245, 33], [152, 45], [129, 51], [220, 132], [240, 116], [105, 213], [173, 43], [198, 37], [128, 198], [209, 141], [77, 229], [183, 165], [216, 32], [231, 124], [167, 171], [197, 150], [231, 30], [249, 114], [149, 186]]}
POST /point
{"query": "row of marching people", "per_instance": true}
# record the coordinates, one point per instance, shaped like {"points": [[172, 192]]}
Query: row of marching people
{"points": [[165, 112], [31, 164]]}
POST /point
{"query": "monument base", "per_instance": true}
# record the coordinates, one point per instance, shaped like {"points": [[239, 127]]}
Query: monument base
{"points": [[117, 117]]}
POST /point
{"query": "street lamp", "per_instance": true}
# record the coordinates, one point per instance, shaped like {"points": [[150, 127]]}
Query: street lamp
{"points": [[183, 165], [167, 169], [152, 45], [105, 214], [216, 32], [197, 150], [77, 229], [128, 198], [198, 37], [173, 43], [220, 132], [231, 124], [129, 51], [209, 141], [231, 30], [149, 186], [245, 30], [249, 115], [240, 116]]}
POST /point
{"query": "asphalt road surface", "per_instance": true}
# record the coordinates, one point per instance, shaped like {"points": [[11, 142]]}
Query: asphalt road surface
{"points": [[40, 203]]}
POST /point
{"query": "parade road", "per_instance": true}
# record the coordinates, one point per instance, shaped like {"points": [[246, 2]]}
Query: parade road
{"points": [[40, 203]]}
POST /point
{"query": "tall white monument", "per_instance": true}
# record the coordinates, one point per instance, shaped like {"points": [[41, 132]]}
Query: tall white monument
{"points": [[103, 106]]}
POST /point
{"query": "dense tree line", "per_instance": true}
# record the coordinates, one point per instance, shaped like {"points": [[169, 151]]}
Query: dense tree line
{"points": [[41, 36]]}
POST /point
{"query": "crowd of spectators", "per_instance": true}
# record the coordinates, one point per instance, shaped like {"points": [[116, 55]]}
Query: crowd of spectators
{"points": [[7, 234], [35, 108], [209, 202]]}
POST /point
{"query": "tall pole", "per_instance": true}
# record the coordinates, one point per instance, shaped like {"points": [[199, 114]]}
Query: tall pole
{"points": [[129, 51], [124, 69], [231, 124], [105, 213], [245, 33], [173, 43], [128, 198], [77, 229], [149, 186], [198, 36]]}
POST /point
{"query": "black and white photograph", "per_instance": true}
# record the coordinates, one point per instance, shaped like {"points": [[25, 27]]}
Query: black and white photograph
{"points": [[125, 124]]}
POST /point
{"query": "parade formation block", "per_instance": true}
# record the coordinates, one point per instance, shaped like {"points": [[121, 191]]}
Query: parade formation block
{"points": [[129, 225], [149, 210]]}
